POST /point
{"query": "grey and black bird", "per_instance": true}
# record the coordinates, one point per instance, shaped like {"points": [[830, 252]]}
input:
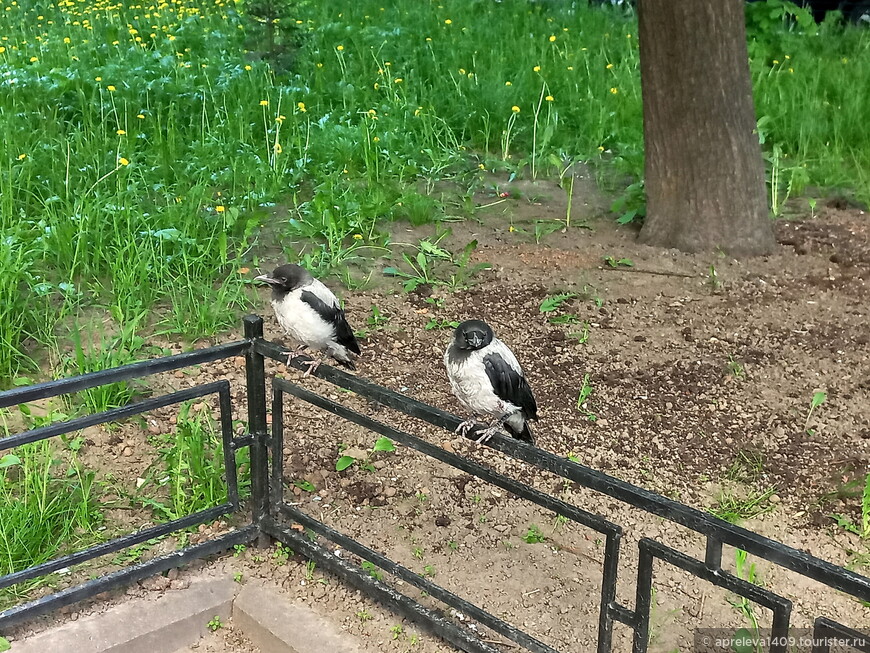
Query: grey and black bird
{"points": [[311, 314], [489, 381]]}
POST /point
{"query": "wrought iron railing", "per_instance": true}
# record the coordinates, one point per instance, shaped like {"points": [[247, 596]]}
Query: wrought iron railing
{"points": [[272, 516]]}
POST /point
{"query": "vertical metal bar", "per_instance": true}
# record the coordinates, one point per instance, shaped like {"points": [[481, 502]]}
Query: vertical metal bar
{"points": [[643, 601], [713, 555], [779, 629], [277, 489], [255, 376], [608, 591], [230, 471]]}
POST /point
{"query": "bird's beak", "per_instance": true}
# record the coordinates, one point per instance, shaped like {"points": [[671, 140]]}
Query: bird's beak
{"points": [[476, 341], [265, 278]]}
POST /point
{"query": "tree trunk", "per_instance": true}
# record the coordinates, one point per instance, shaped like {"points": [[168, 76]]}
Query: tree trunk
{"points": [[704, 175]]}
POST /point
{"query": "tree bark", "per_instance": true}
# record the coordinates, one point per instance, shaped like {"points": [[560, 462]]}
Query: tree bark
{"points": [[704, 175]]}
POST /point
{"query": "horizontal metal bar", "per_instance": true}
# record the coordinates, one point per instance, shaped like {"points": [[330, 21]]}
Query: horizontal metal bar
{"points": [[48, 389], [751, 591], [105, 548], [521, 490], [124, 577], [384, 594], [114, 414], [242, 441], [825, 629], [490, 621], [697, 520]]}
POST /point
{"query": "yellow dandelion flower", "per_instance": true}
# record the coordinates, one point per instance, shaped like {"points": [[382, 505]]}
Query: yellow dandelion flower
{"points": [[549, 98], [280, 119], [376, 86], [552, 37], [372, 112], [791, 70], [277, 147], [248, 68], [462, 71], [220, 208], [264, 103], [22, 156], [788, 56], [376, 140], [123, 161], [398, 80], [508, 84], [301, 106], [609, 66], [481, 166], [537, 69], [34, 59], [600, 148], [340, 48], [120, 132], [140, 116], [775, 62], [511, 229], [448, 22], [111, 88], [2, 49], [515, 109], [319, 65], [357, 236], [428, 38], [614, 90], [66, 39]]}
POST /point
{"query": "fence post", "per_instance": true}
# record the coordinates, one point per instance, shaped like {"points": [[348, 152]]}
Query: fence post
{"points": [[255, 377]]}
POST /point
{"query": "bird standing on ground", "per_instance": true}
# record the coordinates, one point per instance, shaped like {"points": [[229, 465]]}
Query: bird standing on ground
{"points": [[487, 378], [309, 313]]}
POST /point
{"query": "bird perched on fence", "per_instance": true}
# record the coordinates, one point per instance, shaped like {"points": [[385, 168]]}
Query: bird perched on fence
{"points": [[309, 313], [487, 378]]}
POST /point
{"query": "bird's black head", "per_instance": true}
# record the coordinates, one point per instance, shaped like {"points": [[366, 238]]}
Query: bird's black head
{"points": [[286, 278], [472, 335]]}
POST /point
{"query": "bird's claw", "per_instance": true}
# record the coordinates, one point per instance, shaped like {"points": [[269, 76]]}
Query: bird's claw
{"points": [[487, 433], [465, 427], [313, 364], [294, 353]]}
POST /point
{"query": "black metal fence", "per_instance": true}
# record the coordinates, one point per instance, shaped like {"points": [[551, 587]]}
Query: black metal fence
{"points": [[271, 515]]}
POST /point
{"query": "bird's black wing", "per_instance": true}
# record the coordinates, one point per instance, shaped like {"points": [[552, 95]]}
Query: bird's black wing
{"points": [[510, 385], [335, 316]]}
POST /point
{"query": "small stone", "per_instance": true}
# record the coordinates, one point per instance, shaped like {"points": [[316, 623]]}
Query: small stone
{"points": [[127, 452], [448, 446], [774, 498], [390, 492], [442, 520], [178, 374], [179, 584], [172, 574]]}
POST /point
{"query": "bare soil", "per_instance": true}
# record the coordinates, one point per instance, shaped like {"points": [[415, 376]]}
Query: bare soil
{"points": [[703, 370]]}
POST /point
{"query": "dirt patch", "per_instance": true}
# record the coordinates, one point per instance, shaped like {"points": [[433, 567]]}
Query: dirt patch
{"points": [[702, 371]]}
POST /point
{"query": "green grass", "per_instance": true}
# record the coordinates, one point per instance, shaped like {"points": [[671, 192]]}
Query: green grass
{"points": [[142, 148], [189, 474], [47, 508]]}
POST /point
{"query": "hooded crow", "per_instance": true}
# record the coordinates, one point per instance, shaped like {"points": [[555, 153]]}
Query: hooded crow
{"points": [[309, 313], [486, 377]]}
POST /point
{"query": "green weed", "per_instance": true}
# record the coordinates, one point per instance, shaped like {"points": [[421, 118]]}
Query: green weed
{"points": [[190, 475], [48, 507]]}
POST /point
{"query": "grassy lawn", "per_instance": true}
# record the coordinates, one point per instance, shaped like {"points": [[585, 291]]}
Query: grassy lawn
{"points": [[143, 145]]}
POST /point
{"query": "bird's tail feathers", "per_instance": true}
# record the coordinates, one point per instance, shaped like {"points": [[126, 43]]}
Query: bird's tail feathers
{"points": [[347, 363], [525, 434]]}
